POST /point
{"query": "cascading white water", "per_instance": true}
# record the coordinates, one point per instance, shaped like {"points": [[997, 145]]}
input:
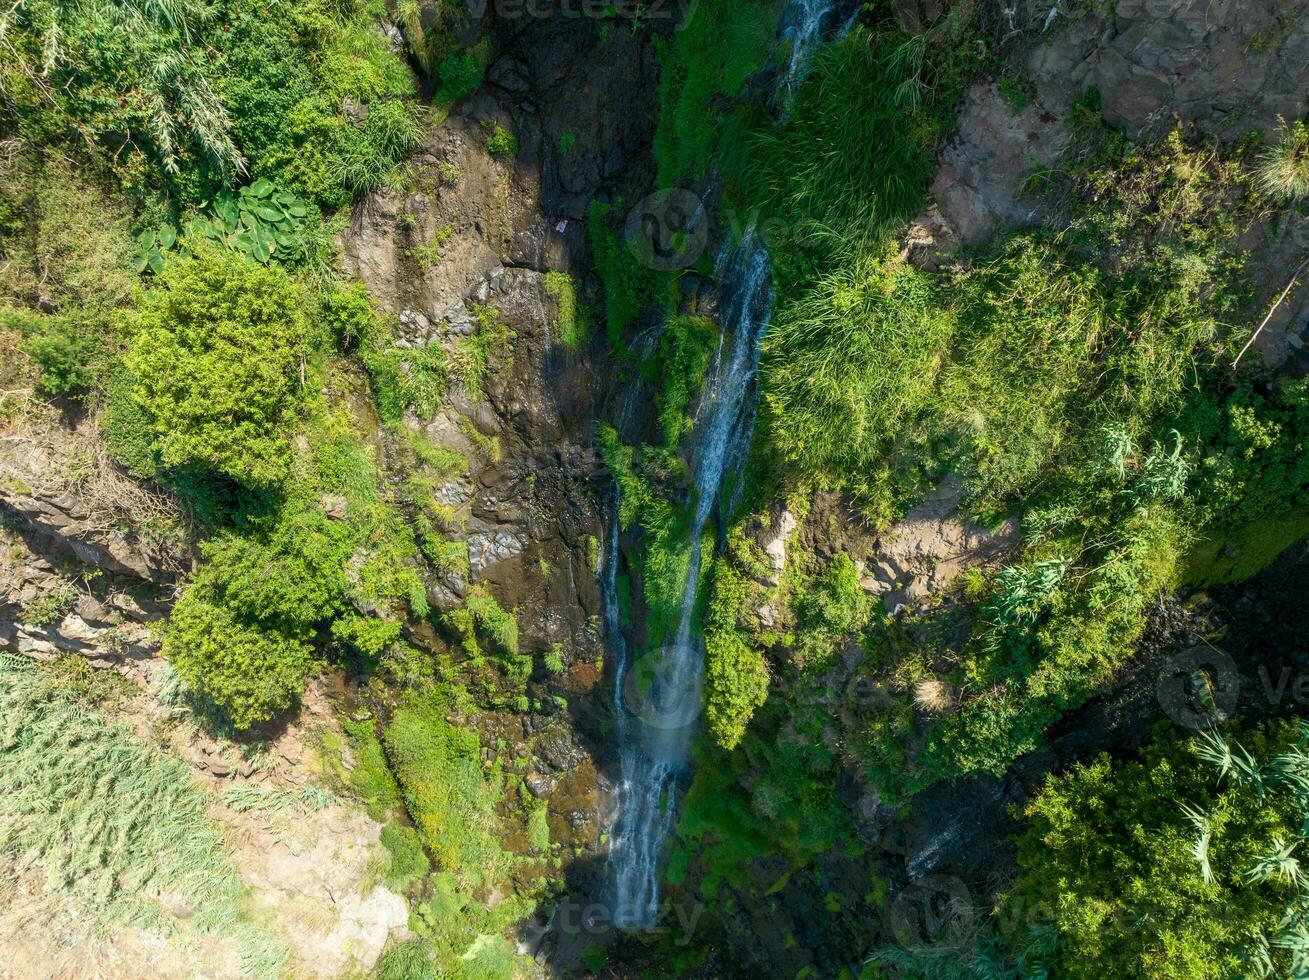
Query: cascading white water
{"points": [[804, 24], [657, 710], [657, 706]]}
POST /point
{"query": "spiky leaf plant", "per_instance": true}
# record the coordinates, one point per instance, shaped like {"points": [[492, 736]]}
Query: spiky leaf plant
{"points": [[1283, 171]]}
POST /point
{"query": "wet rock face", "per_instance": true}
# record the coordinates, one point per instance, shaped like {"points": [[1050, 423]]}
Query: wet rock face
{"points": [[475, 231], [1230, 66], [584, 98]]}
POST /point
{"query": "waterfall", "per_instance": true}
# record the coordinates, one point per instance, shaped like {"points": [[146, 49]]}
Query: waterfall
{"points": [[657, 714], [804, 25], [658, 706]]}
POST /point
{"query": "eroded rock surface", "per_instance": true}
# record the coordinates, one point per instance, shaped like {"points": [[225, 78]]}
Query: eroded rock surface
{"points": [[1229, 66]]}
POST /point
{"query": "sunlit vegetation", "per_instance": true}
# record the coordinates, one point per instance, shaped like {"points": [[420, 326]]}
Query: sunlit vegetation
{"points": [[112, 823]]}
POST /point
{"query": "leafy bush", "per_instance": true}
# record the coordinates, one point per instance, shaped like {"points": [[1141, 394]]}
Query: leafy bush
{"points": [[501, 142], [69, 355], [481, 615], [667, 550], [284, 570], [485, 351], [260, 222], [105, 71], [249, 672], [848, 371], [365, 157], [408, 862], [459, 75], [1172, 866], [831, 607], [736, 674], [216, 351], [679, 363], [852, 160], [720, 45], [629, 287]]}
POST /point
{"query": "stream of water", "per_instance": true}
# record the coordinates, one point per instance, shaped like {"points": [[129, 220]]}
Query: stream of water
{"points": [[658, 705]]}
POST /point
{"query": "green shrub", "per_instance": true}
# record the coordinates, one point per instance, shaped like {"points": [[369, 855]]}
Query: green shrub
{"points": [[831, 607], [408, 862], [1159, 868], [346, 314], [217, 350], [440, 771], [720, 45], [409, 960], [250, 673], [736, 679], [68, 354], [369, 635], [501, 142], [100, 71], [736, 674], [572, 320], [538, 830], [487, 350], [667, 548], [481, 616], [260, 222], [365, 157], [371, 778], [459, 75], [629, 287], [686, 346], [850, 163]]}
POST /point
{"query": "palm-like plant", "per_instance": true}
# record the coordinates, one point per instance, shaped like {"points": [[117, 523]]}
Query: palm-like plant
{"points": [[173, 80], [1231, 760], [1281, 863], [1200, 846]]}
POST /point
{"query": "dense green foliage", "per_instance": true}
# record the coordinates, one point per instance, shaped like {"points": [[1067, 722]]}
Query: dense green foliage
{"points": [[250, 672], [211, 405], [629, 286], [191, 97], [718, 47], [679, 362], [449, 798], [572, 317], [736, 673], [1174, 866]]}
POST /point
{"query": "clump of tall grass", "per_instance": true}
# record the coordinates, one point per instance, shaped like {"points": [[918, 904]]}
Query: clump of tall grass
{"points": [[851, 162], [113, 822], [248, 797], [1283, 171]]}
